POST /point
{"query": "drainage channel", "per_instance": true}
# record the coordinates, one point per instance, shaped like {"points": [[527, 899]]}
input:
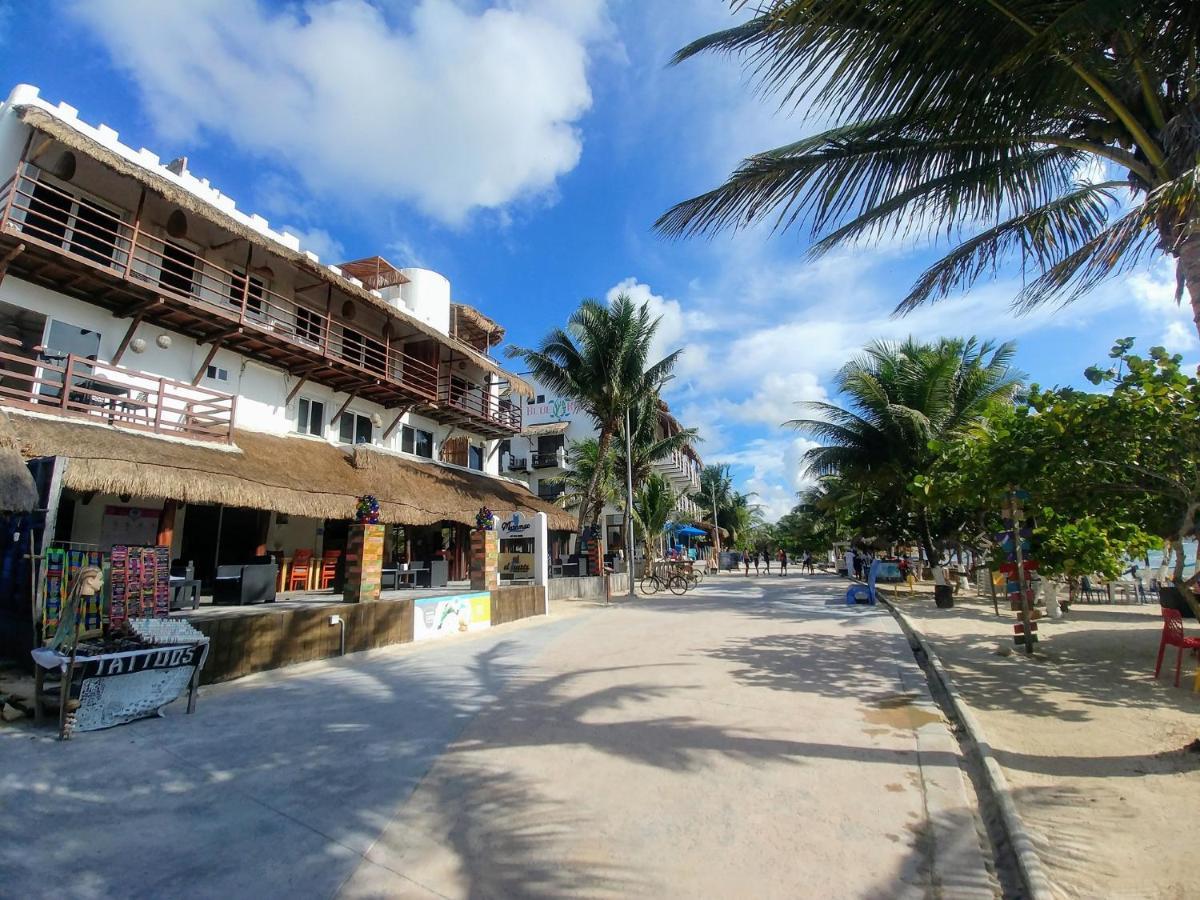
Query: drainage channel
{"points": [[998, 851]]}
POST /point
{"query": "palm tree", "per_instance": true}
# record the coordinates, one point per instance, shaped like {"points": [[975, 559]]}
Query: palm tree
{"points": [[902, 399], [716, 494], [602, 361], [647, 447], [653, 506], [587, 471], [973, 119]]}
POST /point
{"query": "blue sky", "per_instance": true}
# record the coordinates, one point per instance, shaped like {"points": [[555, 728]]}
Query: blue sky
{"points": [[523, 149]]}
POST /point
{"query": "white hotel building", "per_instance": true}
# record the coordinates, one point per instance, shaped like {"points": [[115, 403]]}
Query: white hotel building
{"points": [[186, 374]]}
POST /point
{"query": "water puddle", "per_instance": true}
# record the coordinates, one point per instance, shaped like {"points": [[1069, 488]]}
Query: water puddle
{"points": [[898, 711]]}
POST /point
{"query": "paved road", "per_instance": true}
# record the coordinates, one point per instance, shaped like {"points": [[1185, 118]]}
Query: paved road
{"points": [[752, 739]]}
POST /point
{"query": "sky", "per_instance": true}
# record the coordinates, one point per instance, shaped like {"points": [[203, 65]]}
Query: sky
{"points": [[524, 148]]}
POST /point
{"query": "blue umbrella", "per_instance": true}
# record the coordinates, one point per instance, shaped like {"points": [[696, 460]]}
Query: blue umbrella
{"points": [[691, 531]]}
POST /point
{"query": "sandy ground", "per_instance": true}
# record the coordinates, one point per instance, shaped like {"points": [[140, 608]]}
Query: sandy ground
{"points": [[1092, 745]]}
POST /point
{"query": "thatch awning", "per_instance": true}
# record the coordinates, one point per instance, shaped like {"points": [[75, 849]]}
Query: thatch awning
{"points": [[18, 493], [162, 182], [546, 428], [473, 326], [289, 474]]}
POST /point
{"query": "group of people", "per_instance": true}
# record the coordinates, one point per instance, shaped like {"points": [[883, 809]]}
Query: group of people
{"points": [[763, 558]]}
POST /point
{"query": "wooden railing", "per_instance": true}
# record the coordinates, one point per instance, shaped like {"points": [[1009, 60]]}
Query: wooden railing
{"points": [[100, 237], [75, 386], [479, 403]]}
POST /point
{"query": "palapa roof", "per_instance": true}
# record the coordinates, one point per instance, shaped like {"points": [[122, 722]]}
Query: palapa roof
{"points": [[18, 493], [168, 185], [374, 272], [290, 474], [473, 326], [546, 428]]}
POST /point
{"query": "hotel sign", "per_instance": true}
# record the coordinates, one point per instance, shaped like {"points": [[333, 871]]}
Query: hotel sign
{"points": [[556, 408]]}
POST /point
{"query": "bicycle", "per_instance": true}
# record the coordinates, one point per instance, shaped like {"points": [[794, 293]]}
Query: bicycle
{"points": [[658, 578]]}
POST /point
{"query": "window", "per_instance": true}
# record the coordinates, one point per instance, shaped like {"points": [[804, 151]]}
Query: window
{"points": [[475, 458], [179, 268], [354, 429], [310, 325], [216, 373], [254, 295], [81, 226], [310, 417], [416, 442], [360, 349]]}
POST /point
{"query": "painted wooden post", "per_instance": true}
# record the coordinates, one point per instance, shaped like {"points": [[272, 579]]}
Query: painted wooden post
{"points": [[485, 559], [364, 563]]}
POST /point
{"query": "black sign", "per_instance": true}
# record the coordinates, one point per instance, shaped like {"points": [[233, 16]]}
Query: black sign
{"points": [[140, 661]]}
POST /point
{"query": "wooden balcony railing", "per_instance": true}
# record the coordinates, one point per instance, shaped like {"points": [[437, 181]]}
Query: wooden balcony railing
{"points": [[74, 386], [479, 404], [100, 237]]}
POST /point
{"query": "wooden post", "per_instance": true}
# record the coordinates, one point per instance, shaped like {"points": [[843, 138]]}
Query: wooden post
{"points": [[328, 321], [485, 560], [166, 524], [137, 230], [264, 529], [124, 345], [246, 281], [364, 563]]}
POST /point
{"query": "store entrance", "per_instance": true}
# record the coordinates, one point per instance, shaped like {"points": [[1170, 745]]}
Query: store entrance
{"points": [[198, 544]]}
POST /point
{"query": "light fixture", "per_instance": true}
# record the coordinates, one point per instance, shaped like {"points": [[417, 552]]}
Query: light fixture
{"points": [[164, 341], [138, 345], [377, 420]]}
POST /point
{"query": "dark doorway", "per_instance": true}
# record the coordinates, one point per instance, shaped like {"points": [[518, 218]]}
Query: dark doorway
{"points": [[336, 533], [198, 545], [241, 535]]}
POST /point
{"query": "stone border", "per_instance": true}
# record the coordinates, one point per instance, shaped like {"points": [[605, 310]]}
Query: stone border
{"points": [[1030, 866]]}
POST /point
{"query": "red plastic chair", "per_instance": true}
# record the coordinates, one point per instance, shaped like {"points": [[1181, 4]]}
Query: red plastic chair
{"points": [[1173, 636], [328, 569], [301, 566]]}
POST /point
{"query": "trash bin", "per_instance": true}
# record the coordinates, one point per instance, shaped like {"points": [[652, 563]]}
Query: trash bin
{"points": [[943, 596]]}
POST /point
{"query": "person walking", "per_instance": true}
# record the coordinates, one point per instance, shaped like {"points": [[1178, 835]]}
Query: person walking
{"points": [[746, 563], [766, 555], [756, 571], [808, 563], [782, 562]]}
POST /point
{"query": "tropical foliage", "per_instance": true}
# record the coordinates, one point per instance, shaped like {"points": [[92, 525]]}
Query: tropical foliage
{"points": [[653, 507], [975, 121], [736, 514], [590, 481], [900, 400], [601, 359]]}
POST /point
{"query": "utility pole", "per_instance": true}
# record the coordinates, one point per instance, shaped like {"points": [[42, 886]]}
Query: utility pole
{"points": [[629, 505], [716, 527]]}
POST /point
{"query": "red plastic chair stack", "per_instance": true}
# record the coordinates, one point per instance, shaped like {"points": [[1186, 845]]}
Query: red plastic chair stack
{"points": [[328, 569], [301, 566], [1173, 636]]}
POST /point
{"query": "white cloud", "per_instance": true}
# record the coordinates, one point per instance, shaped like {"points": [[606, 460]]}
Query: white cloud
{"points": [[320, 242], [677, 328], [458, 110], [1154, 291]]}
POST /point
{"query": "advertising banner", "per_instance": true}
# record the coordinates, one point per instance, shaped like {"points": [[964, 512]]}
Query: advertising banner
{"points": [[440, 616]]}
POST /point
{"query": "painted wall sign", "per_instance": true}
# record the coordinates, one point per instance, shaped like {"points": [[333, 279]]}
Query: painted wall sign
{"points": [[440, 616], [516, 565], [556, 409]]}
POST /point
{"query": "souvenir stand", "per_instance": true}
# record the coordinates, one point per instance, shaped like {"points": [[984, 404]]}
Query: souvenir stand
{"points": [[110, 649]]}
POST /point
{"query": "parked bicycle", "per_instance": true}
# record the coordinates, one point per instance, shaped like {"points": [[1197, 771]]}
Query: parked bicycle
{"points": [[662, 576]]}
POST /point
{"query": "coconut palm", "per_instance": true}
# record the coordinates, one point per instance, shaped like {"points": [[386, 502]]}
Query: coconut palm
{"points": [[647, 447], [587, 471], [973, 119], [601, 359], [900, 400], [653, 506], [716, 493]]}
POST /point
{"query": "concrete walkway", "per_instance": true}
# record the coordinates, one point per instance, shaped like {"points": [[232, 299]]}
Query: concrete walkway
{"points": [[752, 739]]}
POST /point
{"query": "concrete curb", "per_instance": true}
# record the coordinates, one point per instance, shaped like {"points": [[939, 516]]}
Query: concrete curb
{"points": [[1028, 863]]}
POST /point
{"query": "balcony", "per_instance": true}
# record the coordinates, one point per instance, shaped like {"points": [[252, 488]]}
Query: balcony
{"points": [[518, 465], [78, 247], [477, 409], [550, 492], [69, 385], [554, 459]]}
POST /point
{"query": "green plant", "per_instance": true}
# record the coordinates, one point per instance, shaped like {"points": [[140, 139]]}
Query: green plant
{"points": [[973, 120]]}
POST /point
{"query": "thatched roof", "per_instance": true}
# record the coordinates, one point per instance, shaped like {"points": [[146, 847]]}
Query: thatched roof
{"points": [[374, 272], [18, 493], [472, 325], [290, 474], [158, 181]]}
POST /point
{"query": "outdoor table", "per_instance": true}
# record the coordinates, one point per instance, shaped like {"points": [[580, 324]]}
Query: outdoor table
{"points": [[115, 688]]}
